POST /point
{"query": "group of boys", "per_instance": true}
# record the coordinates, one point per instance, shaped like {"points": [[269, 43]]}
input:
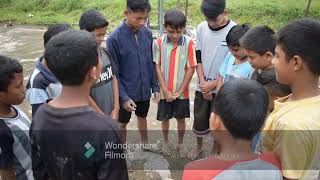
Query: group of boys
{"points": [[83, 95]]}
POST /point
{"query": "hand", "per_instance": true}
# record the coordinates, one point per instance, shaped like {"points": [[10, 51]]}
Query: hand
{"points": [[115, 114], [207, 86], [156, 97], [168, 96], [207, 96], [129, 106], [176, 95]]}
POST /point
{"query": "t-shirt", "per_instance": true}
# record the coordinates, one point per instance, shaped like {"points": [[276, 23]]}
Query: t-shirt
{"points": [[102, 91], [263, 167], [292, 132], [229, 70], [42, 85], [15, 146], [268, 72], [213, 47], [174, 62], [70, 143]]}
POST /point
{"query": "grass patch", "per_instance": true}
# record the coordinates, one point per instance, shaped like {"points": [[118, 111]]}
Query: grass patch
{"points": [[274, 13]]}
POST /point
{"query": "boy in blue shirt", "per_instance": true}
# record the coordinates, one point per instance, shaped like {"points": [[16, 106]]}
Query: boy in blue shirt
{"points": [[130, 46], [235, 64]]}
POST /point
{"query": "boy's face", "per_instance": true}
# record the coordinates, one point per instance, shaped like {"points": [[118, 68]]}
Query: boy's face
{"points": [[174, 35], [237, 51], [219, 21], [16, 91], [100, 34], [258, 61], [136, 19], [282, 67]]}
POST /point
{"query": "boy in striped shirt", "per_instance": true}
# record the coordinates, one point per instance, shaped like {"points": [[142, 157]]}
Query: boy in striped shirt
{"points": [[15, 146], [174, 56]]}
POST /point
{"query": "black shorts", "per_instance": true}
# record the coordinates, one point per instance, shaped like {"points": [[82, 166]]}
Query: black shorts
{"points": [[202, 111], [141, 111], [178, 109]]}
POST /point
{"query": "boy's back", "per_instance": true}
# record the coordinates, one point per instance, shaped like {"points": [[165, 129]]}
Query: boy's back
{"points": [[215, 168], [67, 135]]}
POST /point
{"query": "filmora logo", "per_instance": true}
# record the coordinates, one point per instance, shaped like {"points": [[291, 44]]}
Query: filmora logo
{"points": [[90, 150]]}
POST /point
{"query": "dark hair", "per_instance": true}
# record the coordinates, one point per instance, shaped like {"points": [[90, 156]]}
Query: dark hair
{"points": [[302, 38], [175, 19], [91, 20], [70, 55], [269, 81], [54, 30], [260, 39], [8, 68], [236, 33], [242, 106], [138, 5], [211, 9]]}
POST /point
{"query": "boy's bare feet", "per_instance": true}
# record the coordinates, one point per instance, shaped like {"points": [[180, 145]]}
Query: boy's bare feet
{"points": [[182, 150], [166, 150], [194, 154]]}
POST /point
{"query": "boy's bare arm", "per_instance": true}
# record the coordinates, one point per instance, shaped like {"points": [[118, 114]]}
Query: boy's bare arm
{"points": [[7, 174], [185, 82], [200, 73], [163, 83], [94, 106], [219, 83], [116, 105]]}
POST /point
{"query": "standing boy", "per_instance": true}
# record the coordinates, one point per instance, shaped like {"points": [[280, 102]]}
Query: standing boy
{"points": [[130, 46], [235, 64], [174, 56], [42, 84], [105, 93], [15, 146], [238, 113], [68, 136], [211, 49], [292, 129]]}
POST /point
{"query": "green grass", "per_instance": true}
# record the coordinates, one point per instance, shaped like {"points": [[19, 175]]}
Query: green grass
{"points": [[274, 13]]}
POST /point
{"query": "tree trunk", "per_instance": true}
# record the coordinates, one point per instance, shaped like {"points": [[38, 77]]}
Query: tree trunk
{"points": [[306, 12]]}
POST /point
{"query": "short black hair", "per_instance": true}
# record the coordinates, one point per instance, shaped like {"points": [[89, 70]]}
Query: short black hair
{"points": [[242, 106], [260, 39], [138, 5], [70, 55], [235, 33], [302, 38], [211, 9], [274, 88], [54, 30], [91, 20], [8, 68], [175, 19]]}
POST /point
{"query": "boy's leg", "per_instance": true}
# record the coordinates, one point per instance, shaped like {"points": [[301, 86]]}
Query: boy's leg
{"points": [[124, 118], [201, 123], [181, 126], [141, 113], [165, 124]]}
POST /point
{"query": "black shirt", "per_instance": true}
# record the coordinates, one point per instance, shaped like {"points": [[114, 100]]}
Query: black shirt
{"points": [[70, 144]]}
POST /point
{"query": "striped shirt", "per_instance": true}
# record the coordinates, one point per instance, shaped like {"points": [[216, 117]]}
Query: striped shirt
{"points": [[42, 85], [15, 146], [174, 60]]}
